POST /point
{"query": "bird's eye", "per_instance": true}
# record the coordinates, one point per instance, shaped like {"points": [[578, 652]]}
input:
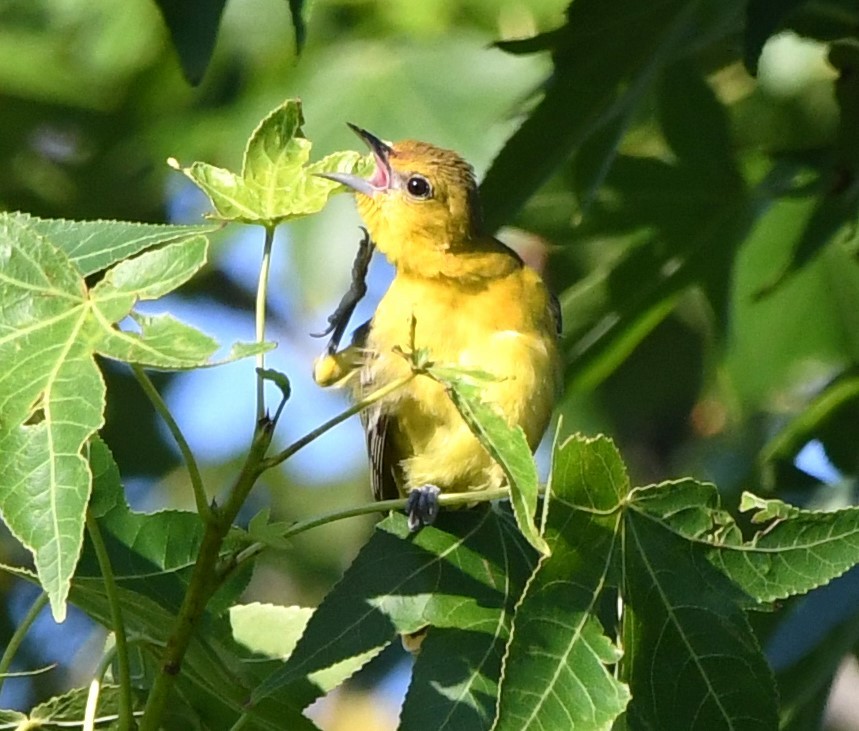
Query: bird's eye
{"points": [[419, 187]]}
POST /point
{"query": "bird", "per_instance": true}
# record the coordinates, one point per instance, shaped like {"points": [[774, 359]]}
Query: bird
{"points": [[462, 298]]}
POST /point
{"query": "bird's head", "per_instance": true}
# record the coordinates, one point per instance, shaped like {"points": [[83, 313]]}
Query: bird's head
{"points": [[420, 201]]}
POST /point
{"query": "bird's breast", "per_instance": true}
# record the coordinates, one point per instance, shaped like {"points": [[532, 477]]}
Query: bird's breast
{"points": [[499, 327]]}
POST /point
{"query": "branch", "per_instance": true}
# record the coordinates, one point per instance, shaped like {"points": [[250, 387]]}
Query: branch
{"points": [[204, 577]]}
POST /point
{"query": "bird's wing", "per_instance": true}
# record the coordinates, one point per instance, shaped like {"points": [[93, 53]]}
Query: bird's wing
{"points": [[383, 464], [378, 428]]}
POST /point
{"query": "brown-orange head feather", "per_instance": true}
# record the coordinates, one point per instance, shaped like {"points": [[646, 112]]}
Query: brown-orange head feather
{"points": [[430, 202]]}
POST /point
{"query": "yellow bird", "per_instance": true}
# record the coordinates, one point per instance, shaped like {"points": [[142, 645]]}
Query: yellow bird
{"points": [[463, 297]]}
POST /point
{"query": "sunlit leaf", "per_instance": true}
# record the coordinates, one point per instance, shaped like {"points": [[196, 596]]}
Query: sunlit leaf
{"points": [[277, 182], [559, 668], [465, 572], [274, 631], [217, 674], [95, 245], [68, 709], [51, 327], [792, 552], [12, 720], [269, 629], [507, 445]]}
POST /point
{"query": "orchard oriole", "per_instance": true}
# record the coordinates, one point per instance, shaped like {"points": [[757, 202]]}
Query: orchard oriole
{"points": [[464, 298]]}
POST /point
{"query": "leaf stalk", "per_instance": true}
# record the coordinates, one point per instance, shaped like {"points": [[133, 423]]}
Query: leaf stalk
{"points": [[160, 406], [126, 708], [259, 315]]}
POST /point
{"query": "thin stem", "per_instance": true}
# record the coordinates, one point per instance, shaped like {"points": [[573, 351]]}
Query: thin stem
{"points": [[448, 500], [798, 428], [163, 411], [359, 406], [259, 314], [241, 722], [19, 634], [91, 704], [126, 709], [204, 579], [547, 493]]}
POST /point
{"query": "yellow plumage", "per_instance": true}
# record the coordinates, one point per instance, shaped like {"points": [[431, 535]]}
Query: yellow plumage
{"points": [[464, 298]]}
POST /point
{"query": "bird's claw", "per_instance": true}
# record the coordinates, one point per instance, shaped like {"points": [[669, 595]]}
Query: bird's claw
{"points": [[339, 320], [422, 506]]}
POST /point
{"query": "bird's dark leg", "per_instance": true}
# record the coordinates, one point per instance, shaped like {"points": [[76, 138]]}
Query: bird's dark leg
{"points": [[339, 320], [422, 506]]}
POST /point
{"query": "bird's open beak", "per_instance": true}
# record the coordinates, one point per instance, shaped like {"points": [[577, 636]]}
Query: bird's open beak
{"points": [[381, 178]]}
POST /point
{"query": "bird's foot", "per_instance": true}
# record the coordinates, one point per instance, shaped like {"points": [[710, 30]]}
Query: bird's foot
{"points": [[422, 506]]}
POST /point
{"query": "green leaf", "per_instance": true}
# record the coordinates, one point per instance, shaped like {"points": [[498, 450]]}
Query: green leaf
{"points": [[687, 645], [448, 689], [277, 182], [832, 221], [298, 24], [193, 26], [691, 658], [281, 380], [149, 553], [271, 534], [94, 245], [679, 230], [689, 112], [12, 720], [68, 709], [52, 399], [793, 552], [558, 671], [606, 58], [274, 631], [217, 675], [269, 629], [507, 445], [464, 572], [152, 554]]}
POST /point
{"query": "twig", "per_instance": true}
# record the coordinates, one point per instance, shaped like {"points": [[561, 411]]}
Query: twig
{"points": [[204, 575], [380, 506]]}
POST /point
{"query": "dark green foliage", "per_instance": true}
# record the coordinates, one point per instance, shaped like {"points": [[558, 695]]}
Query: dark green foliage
{"points": [[700, 195]]}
